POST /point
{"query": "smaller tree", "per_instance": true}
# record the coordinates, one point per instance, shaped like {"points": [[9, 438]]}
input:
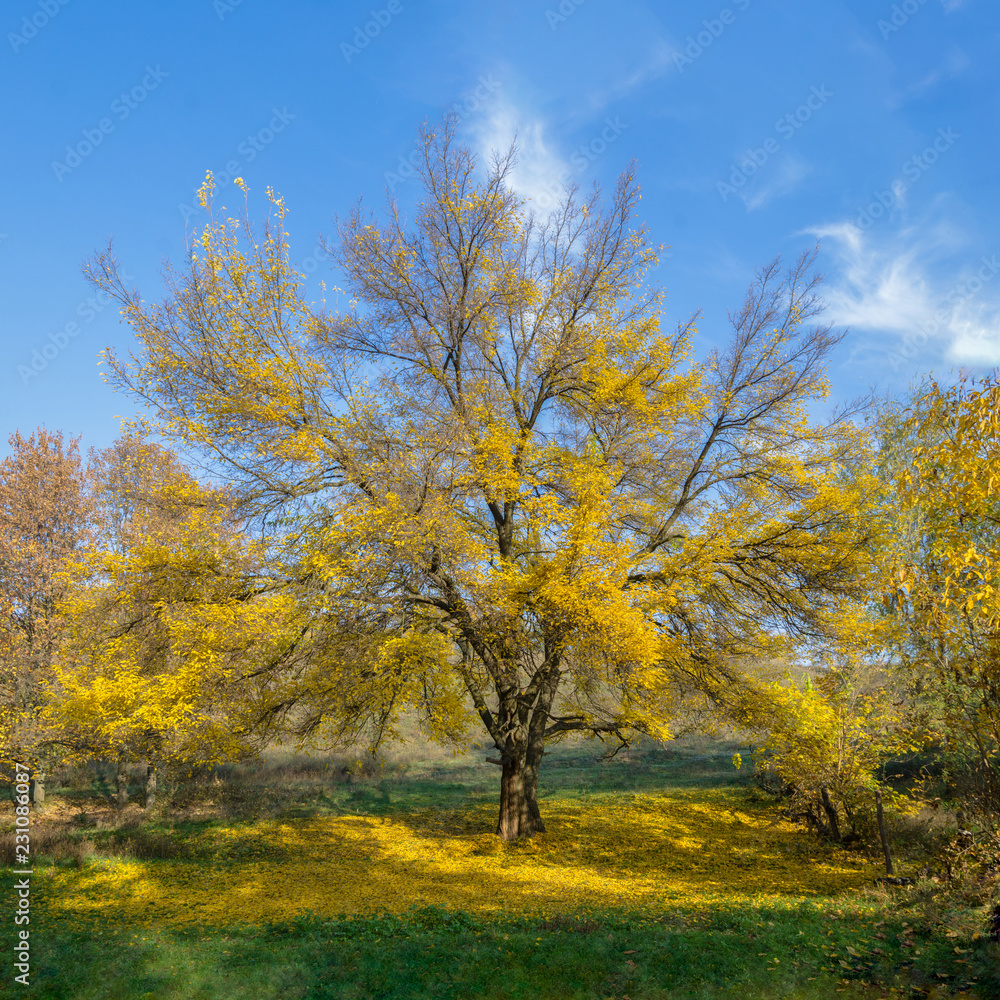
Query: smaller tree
{"points": [[138, 489], [162, 626]]}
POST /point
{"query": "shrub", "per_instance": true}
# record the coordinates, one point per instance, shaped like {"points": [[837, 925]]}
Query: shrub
{"points": [[824, 748]]}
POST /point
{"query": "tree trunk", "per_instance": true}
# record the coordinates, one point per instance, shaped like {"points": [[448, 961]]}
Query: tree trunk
{"points": [[513, 806], [38, 789], [519, 815], [536, 748], [121, 784], [150, 799], [532, 760], [520, 759], [831, 814]]}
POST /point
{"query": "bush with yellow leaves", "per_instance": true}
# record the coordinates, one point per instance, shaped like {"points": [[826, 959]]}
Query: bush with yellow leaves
{"points": [[825, 744]]}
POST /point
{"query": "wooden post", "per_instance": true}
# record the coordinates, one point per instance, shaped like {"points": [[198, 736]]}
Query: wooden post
{"points": [[881, 831]]}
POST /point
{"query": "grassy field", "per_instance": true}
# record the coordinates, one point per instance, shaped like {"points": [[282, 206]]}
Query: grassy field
{"points": [[664, 873]]}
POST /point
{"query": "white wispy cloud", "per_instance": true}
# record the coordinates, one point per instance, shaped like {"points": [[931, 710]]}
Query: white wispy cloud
{"points": [[954, 64], [976, 337], [916, 293], [544, 164], [782, 179], [543, 170], [658, 61], [539, 167]]}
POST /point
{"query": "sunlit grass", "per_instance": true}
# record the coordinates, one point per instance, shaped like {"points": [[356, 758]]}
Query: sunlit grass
{"points": [[637, 852]]}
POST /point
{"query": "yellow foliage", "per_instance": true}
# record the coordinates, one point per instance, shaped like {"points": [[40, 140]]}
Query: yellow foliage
{"points": [[154, 642], [946, 573], [833, 735], [954, 482]]}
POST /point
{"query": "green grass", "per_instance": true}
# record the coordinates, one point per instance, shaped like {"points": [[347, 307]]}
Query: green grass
{"points": [[779, 951], [870, 944]]}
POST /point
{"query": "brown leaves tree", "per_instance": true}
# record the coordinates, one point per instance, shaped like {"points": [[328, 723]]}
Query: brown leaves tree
{"points": [[45, 521]]}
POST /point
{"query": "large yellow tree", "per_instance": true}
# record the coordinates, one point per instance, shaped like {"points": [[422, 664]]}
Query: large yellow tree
{"points": [[504, 493]]}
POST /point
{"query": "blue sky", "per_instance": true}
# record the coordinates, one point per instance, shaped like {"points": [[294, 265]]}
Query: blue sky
{"points": [[758, 126]]}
